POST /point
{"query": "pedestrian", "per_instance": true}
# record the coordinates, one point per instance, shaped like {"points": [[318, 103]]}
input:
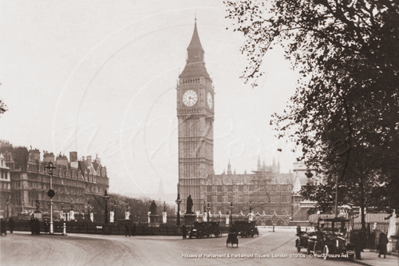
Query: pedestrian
{"points": [[11, 225], [46, 226], [32, 225], [184, 231], [127, 230], [37, 226], [134, 230], [382, 244], [3, 226]]}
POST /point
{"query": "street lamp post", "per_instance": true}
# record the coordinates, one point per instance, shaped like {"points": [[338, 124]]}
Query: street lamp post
{"points": [[7, 203], [106, 198], [178, 202], [208, 218], [231, 207], [51, 194], [250, 211]]}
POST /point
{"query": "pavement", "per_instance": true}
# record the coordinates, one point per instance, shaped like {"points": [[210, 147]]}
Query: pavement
{"points": [[270, 248]]}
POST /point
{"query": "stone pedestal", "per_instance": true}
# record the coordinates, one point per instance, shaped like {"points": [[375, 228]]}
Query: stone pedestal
{"points": [[154, 220], [189, 218]]}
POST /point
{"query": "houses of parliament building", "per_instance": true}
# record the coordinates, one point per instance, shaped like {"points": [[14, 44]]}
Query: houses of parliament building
{"points": [[265, 191]]}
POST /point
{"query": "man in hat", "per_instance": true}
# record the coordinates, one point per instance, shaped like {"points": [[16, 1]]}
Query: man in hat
{"points": [[382, 243]]}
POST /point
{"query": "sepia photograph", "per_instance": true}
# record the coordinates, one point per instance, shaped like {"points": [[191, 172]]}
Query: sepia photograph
{"points": [[251, 132]]}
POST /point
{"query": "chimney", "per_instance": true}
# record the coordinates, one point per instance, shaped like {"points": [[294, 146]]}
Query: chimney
{"points": [[98, 160], [48, 157], [73, 156]]}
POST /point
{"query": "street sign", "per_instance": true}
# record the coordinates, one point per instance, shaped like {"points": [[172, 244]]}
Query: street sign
{"points": [[51, 193]]}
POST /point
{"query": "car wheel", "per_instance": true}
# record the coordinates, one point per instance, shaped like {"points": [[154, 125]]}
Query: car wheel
{"points": [[325, 252]]}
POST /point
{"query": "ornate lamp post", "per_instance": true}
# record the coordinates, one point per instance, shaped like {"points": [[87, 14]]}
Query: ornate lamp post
{"points": [[178, 202], [51, 194], [7, 203], [250, 211], [231, 207], [106, 227], [106, 198], [208, 217]]}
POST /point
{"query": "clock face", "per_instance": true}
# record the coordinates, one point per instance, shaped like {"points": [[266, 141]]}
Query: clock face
{"points": [[190, 98], [210, 100]]}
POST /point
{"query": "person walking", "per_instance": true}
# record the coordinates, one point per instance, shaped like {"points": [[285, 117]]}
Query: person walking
{"points": [[11, 225], [127, 230], [382, 244], [3, 226], [184, 231]]}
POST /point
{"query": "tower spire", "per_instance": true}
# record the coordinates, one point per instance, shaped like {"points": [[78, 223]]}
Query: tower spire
{"points": [[229, 168]]}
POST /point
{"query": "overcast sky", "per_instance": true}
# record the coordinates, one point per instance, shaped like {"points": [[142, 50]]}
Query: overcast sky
{"points": [[99, 77]]}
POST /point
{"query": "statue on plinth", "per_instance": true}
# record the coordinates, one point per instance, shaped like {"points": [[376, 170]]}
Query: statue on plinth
{"points": [[189, 205], [153, 208], [37, 204]]}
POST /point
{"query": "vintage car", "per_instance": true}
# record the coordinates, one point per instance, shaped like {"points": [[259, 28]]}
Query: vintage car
{"points": [[331, 238], [302, 240], [213, 229], [246, 228], [205, 229]]}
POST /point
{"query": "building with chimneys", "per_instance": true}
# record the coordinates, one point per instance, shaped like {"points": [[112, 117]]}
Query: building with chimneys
{"points": [[265, 190], [75, 182]]}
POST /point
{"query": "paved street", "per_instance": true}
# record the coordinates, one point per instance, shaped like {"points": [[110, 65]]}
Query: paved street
{"points": [[22, 248]]}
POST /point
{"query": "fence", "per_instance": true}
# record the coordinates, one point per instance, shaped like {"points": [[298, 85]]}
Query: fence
{"points": [[118, 228]]}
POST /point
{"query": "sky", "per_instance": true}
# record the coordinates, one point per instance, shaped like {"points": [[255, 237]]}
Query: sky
{"points": [[99, 78]]}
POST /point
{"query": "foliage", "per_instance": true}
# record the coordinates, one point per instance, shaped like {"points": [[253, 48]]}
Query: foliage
{"points": [[346, 105], [3, 107], [139, 208]]}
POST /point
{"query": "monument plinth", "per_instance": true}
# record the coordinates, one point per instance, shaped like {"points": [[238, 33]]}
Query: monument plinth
{"points": [[189, 216]]}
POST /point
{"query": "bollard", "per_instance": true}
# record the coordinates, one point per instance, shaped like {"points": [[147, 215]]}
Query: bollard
{"points": [[64, 233]]}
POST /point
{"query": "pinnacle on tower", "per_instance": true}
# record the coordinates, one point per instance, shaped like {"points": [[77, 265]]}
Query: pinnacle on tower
{"points": [[229, 168], [259, 166], [195, 43], [195, 66]]}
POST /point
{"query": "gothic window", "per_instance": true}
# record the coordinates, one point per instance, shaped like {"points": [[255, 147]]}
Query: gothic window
{"points": [[209, 188], [230, 188], [240, 188], [219, 188], [220, 199], [230, 198], [251, 188], [209, 198]]}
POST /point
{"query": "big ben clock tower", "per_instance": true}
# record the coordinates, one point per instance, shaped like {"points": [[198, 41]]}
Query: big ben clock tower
{"points": [[195, 113]]}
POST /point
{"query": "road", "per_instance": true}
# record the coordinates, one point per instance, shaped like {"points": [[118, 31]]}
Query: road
{"points": [[78, 249]]}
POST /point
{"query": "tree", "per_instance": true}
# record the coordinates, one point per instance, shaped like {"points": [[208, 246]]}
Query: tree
{"points": [[3, 107], [347, 92]]}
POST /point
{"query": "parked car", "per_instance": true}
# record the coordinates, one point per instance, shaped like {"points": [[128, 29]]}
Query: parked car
{"points": [[331, 238], [246, 228]]}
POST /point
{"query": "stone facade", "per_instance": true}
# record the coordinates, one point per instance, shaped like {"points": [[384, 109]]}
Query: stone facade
{"points": [[265, 191], [74, 183]]}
